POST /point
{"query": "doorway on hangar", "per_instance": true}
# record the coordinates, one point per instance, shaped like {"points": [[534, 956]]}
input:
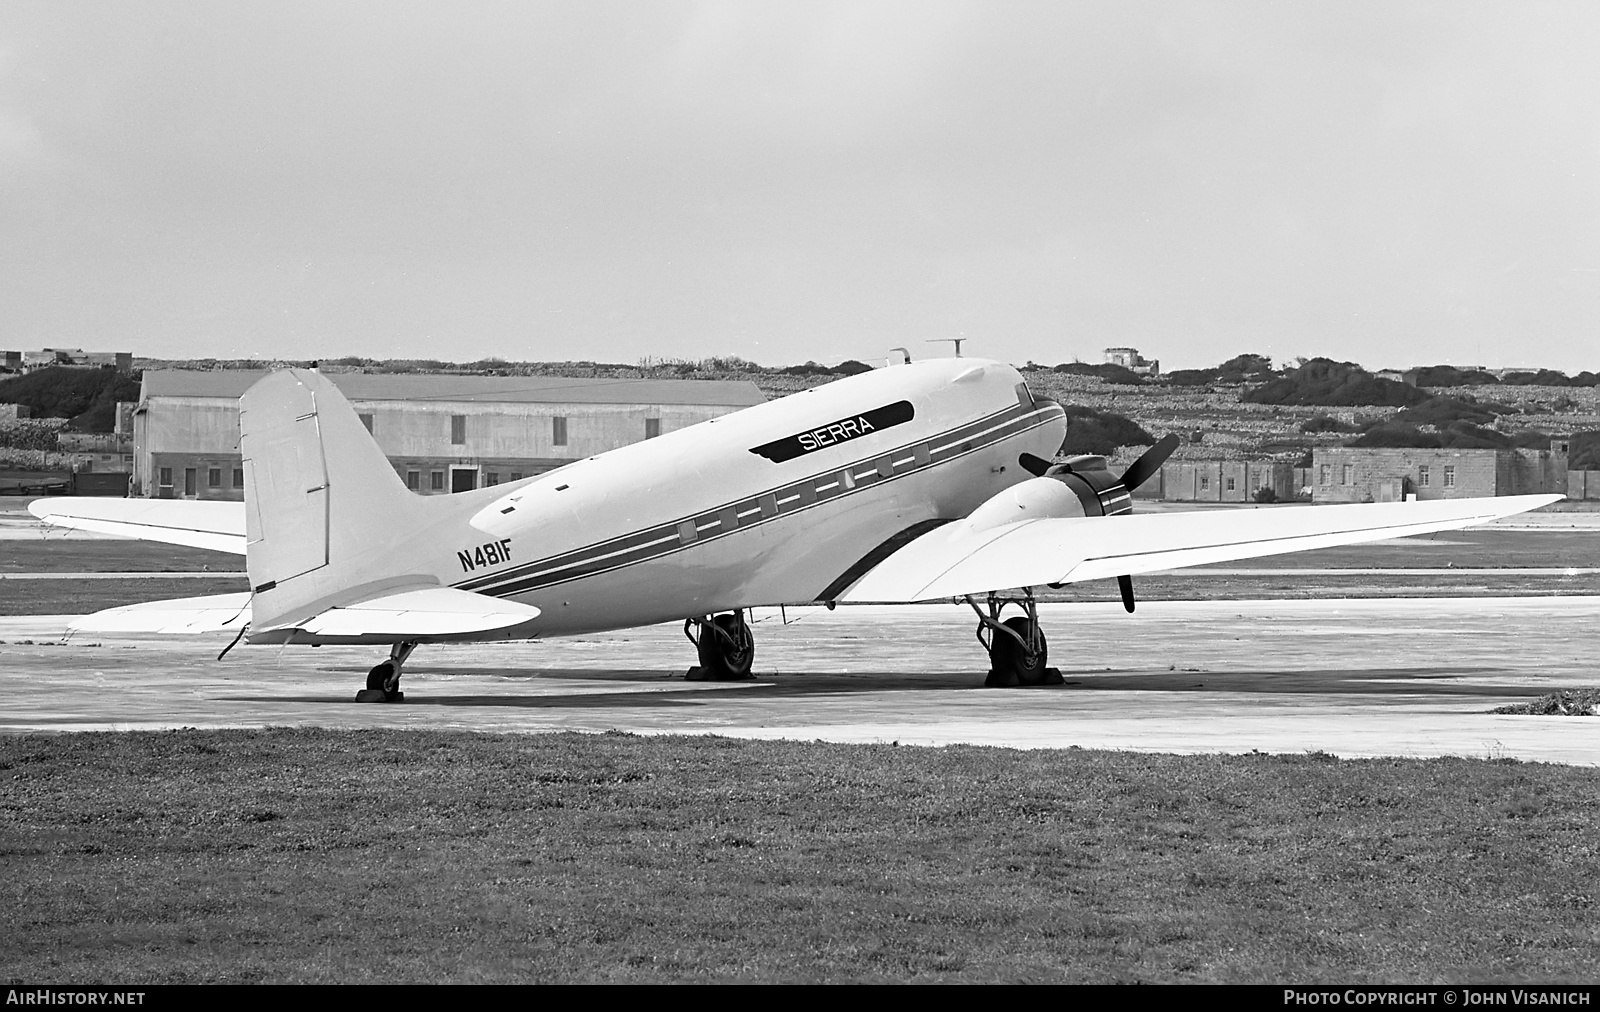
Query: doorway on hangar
{"points": [[463, 479]]}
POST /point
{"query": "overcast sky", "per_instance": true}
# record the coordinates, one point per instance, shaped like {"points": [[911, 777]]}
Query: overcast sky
{"points": [[1395, 183]]}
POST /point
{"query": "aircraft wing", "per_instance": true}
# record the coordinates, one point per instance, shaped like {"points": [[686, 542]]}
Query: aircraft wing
{"points": [[957, 559], [407, 615], [215, 525]]}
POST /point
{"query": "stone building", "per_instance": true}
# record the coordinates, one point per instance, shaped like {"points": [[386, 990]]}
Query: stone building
{"points": [[1361, 474], [442, 433], [1130, 359], [1583, 484], [74, 358], [1220, 481]]}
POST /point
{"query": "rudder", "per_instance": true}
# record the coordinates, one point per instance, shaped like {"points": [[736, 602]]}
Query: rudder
{"points": [[317, 487]]}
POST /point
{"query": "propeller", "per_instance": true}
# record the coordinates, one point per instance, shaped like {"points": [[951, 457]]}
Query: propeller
{"points": [[1125, 584], [1099, 494], [1035, 466], [1150, 461], [1142, 471]]}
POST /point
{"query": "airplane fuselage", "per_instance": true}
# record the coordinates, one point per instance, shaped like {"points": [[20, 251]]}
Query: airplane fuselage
{"points": [[788, 501]]}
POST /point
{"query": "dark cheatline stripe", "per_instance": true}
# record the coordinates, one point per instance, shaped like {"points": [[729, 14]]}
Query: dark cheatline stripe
{"points": [[622, 543], [663, 539], [892, 544]]}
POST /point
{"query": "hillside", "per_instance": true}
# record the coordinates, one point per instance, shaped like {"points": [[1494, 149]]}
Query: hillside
{"points": [[1218, 411], [87, 398]]}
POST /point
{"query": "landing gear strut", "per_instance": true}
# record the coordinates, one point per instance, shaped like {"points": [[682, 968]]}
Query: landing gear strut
{"points": [[725, 645], [383, 681], [1016, 646]]}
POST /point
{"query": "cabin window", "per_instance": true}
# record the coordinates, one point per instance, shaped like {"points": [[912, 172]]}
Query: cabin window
{"points": [[1423, 478], [413, 480], [728, 518], [1449, 477], [558, 430], [458, 430], [214, 477], [688, 533], [768, 504], [652, 428], [885, 467], [366, 420], [922, 453]]}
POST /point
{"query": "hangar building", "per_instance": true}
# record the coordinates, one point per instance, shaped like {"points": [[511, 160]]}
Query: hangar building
{"points": [[442, 433], [1359, 474]]}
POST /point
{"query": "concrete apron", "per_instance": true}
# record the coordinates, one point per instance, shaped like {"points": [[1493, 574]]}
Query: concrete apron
{"points": [[1369, 677]]}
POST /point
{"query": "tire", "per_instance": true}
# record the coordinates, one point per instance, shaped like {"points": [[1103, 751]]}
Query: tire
{"points": [[1010, 660], [378, 676], [720, 661]]}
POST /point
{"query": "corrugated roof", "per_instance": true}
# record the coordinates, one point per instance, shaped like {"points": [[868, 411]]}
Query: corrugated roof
{"points": [[443, 387]]}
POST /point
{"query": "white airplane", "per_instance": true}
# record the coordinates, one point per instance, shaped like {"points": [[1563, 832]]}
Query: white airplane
{"points": [[911, 483]]}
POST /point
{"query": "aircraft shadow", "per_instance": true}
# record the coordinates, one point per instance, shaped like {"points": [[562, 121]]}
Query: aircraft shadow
{"points": [[1381, 682]]}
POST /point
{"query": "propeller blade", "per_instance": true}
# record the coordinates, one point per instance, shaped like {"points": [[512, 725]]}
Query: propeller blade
{"points": [[1035, 466], [1125, 584], [1150, 463]]}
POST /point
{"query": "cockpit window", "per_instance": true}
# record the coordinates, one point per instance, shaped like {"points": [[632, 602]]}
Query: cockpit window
{"points": [[1024, 395]]}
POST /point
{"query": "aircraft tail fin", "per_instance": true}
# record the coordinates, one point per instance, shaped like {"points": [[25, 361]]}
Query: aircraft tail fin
{"points": [[323, 506]]}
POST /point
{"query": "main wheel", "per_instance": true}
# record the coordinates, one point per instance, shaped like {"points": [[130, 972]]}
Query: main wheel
{"points": [[1009, 660], [380, 676], [728, 650]]}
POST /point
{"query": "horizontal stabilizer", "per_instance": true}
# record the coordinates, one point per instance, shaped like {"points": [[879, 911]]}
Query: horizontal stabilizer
{"points": [[214, 613], [215, 525], [409, 615], [432, 612], [957, 559]]}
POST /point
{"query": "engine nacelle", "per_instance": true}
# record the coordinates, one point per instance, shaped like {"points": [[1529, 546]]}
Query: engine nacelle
{"points": [[1061, 492], [1101, 493], [1029, 500]]}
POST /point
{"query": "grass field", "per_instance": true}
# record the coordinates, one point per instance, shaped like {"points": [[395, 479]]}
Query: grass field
{"points": [[305, 855], [58, 555], [80, 597]]}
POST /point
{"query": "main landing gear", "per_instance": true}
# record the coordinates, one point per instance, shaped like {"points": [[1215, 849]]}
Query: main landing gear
{"points": [[1016, 646], [383, 681], [725, 645]]}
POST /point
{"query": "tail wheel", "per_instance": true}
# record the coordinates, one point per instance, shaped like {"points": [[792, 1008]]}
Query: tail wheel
{"points": [[1010, 659], [727, 650]]}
